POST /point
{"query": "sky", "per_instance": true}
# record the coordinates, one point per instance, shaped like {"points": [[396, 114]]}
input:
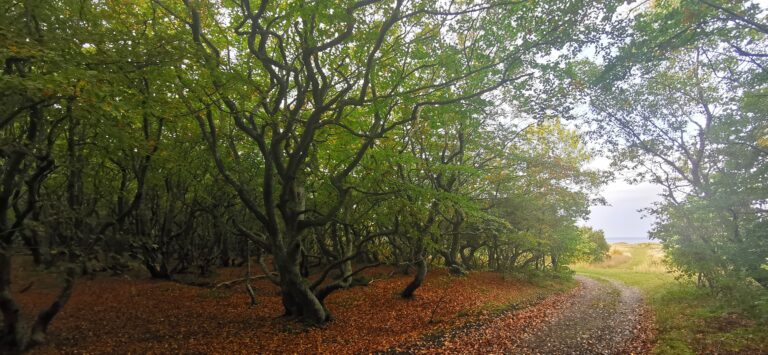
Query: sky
{"points": [[620, 219]]}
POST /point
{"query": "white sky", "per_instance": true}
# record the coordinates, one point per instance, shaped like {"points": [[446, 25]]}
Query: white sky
{"points": [[620, 219]]}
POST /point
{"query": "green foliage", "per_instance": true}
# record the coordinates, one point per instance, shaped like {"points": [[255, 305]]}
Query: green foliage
{"points": [[189, 135], [687, 119], [593, 246]]}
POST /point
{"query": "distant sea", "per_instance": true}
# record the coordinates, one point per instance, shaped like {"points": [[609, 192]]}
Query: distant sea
{"points": [[630, 240]]}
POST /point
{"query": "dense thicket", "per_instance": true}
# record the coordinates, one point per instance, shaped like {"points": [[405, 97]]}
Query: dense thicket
{"points": [[319, 138]]}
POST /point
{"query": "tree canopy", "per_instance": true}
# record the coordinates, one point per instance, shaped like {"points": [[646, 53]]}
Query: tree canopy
{"points": [[318, 139]]}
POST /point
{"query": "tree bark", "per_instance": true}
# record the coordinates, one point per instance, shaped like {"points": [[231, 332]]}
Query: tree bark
{"points": [[10, 337], [554, 262], [421, 273], [298, 299]]}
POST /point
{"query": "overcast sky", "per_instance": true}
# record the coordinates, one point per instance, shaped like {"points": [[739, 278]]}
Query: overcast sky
{"points": [[620, 219]]}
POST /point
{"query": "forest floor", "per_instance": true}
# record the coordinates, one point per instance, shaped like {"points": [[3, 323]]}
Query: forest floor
{"points": [[688, 319], [597, 317], [481, 313], [118, 314]]}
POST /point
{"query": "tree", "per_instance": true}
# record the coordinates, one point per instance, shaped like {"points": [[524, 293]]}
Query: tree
{"points": [[39, 101], [593, 248], [313, 68], [688, 122], [327, 138]]}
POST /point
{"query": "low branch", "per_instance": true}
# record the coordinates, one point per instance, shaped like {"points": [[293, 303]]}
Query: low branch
{"points": [[231, 283], [322, 293], [359, 251], [257, 238]]}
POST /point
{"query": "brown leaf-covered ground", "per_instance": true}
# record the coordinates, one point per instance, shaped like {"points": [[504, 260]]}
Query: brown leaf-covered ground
{"points": [[598, 317], [138, 315]]}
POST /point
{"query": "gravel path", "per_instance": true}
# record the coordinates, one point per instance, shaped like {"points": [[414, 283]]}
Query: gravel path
{"points": [[597, 317], [601, 318]]}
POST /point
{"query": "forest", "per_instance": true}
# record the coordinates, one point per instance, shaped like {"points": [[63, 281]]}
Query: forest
{"points": [[293, 153]]}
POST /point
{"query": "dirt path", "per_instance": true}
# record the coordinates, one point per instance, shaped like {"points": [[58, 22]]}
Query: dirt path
{"points": [[598, 317], [601, 318]]}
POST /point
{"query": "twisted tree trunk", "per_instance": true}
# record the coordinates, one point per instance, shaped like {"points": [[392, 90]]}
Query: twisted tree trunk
{"points": [[421, 274]]}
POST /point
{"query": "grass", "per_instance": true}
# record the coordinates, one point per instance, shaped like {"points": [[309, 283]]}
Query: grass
{"points": [[689, 320]]}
